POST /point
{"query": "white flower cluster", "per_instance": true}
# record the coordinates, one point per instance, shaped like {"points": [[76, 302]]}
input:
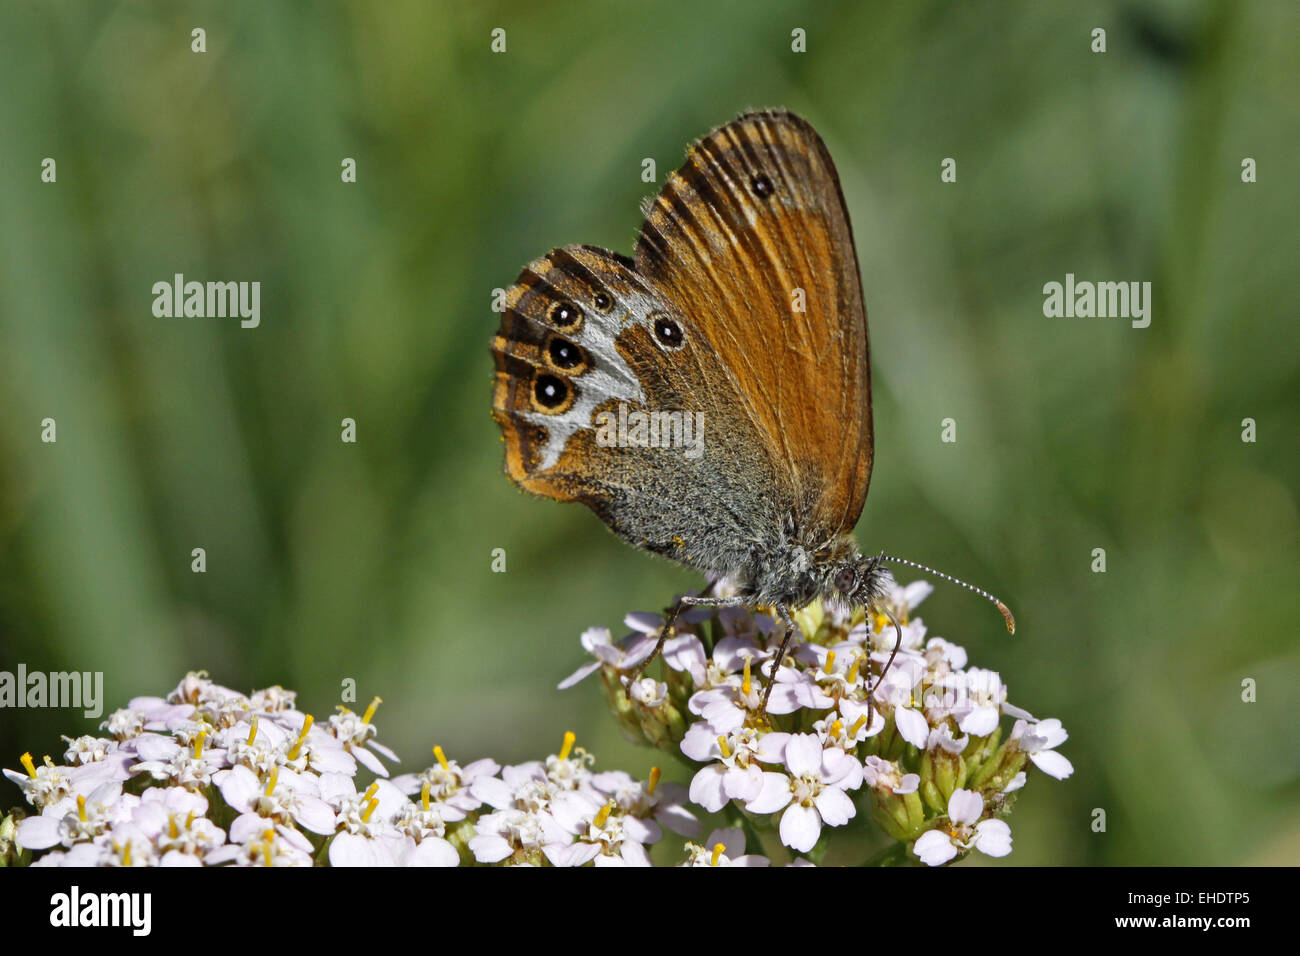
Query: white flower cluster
{"points": [[208, 776], [561, 812], [918, 741]]}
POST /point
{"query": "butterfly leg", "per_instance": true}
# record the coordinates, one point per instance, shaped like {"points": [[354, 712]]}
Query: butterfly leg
{"points": [[898, 642], [788, 624], [685, 601]]}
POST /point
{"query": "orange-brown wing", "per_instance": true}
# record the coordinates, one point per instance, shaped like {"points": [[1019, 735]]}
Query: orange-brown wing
{"points": [[587, 351], [751, 240], [556, 362]]}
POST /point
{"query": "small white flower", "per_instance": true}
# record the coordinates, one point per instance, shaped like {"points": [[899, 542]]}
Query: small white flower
{"points": [[76, 819], [43, 785], [507, 832], [981, 695], [884, 775], [813, 794], [173, 818], [125, 723], [853, 718], [274, 700], [941, 738], [357, 734], [736, 774], [648, 692], [665, 802], [685, 653], [938, 651], [191, 766], [449, 782], [992, 837], [731, 704], [88, 749], [1039, 742], [285, 798]]}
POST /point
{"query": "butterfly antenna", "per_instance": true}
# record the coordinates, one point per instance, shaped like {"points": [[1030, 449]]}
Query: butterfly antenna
{"points": [[1006, 611]]}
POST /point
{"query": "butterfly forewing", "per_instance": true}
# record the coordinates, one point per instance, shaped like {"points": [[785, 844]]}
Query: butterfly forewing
{"points": [[751, 239]]}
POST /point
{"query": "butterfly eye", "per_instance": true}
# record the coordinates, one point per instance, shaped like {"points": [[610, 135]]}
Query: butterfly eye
{"points": [[845, 580], [565, 355], [761, 185], [565, 315], [550, 392], [669, 333], [602, 301]]}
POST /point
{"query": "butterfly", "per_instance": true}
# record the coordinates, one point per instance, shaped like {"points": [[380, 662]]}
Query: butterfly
{"points": [[741, 313]]}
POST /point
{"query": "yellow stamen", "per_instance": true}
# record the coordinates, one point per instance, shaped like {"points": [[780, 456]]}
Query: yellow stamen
{"points": [[718, 848], [371, 791], [836, 728], [126, 853], [881, 622], [171, 820], [307, 721], [830, 662], [853, 671], [442, 758], [369, 810], [252, 733], [267, 837], [370, 711], [654, 780], [569, 738], [857, 725], [271, 781], [26, 761], [189, 820], [745, 687], [81, 808], [722, 745], [603, 815], [198, 744], [424, 795]]}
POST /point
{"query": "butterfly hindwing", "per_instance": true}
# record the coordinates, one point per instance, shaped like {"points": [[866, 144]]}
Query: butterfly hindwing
{"points": [[687, 493]]}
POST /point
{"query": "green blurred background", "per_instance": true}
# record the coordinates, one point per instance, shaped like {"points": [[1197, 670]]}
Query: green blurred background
{"points": [[372, 561]]}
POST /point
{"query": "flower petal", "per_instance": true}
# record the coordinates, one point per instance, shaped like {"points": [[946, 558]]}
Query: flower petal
{"points": [[934, 848], [965, 806], [578, 675], [1052, 764], [912, 726], [835, 807], [774, 795], [993, 837], [800, 827], [803, 754], [706, 788]]}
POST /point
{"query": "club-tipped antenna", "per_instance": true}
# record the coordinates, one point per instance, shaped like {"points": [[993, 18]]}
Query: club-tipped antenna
{"points": [[1006, 611]]}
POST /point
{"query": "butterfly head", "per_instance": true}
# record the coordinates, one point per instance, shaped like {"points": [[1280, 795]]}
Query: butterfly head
{"points": [[859, 581]]}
